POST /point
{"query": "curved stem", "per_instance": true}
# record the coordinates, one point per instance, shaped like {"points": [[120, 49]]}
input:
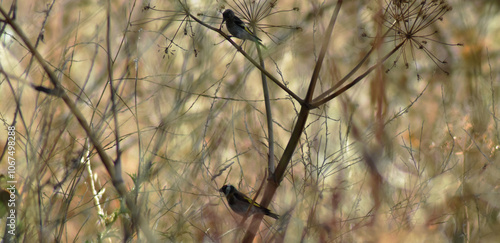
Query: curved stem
{"points": [[269, 114]]}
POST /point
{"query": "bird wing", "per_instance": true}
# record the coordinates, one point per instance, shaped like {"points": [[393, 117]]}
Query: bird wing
{"points": [[241, 196], [240, 23]]}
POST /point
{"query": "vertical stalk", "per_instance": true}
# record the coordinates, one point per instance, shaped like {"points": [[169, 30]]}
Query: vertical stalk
{"points": [[269, 114]]}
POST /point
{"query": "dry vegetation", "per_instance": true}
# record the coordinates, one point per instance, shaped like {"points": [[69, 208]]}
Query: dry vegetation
{"points": [[129, 115]]}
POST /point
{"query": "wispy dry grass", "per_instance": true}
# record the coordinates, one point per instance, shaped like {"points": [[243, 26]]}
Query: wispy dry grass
{"points": [[400, 137]]}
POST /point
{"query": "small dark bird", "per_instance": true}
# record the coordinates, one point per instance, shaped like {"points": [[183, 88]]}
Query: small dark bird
{"points": [[237, 28], [239, 203]]}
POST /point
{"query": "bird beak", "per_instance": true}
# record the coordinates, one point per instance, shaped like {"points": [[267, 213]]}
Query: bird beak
{"points": [[220, 27]]}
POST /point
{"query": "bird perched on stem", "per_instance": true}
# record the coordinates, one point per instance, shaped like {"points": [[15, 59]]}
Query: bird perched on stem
{"points": [[237, 28], [239, 203]]}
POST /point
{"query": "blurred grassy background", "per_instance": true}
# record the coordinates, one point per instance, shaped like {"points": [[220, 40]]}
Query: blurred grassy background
{"points": [[192, 118]]}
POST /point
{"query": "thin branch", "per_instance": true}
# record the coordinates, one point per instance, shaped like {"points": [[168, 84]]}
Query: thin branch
{"points": [[117, 164]]}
